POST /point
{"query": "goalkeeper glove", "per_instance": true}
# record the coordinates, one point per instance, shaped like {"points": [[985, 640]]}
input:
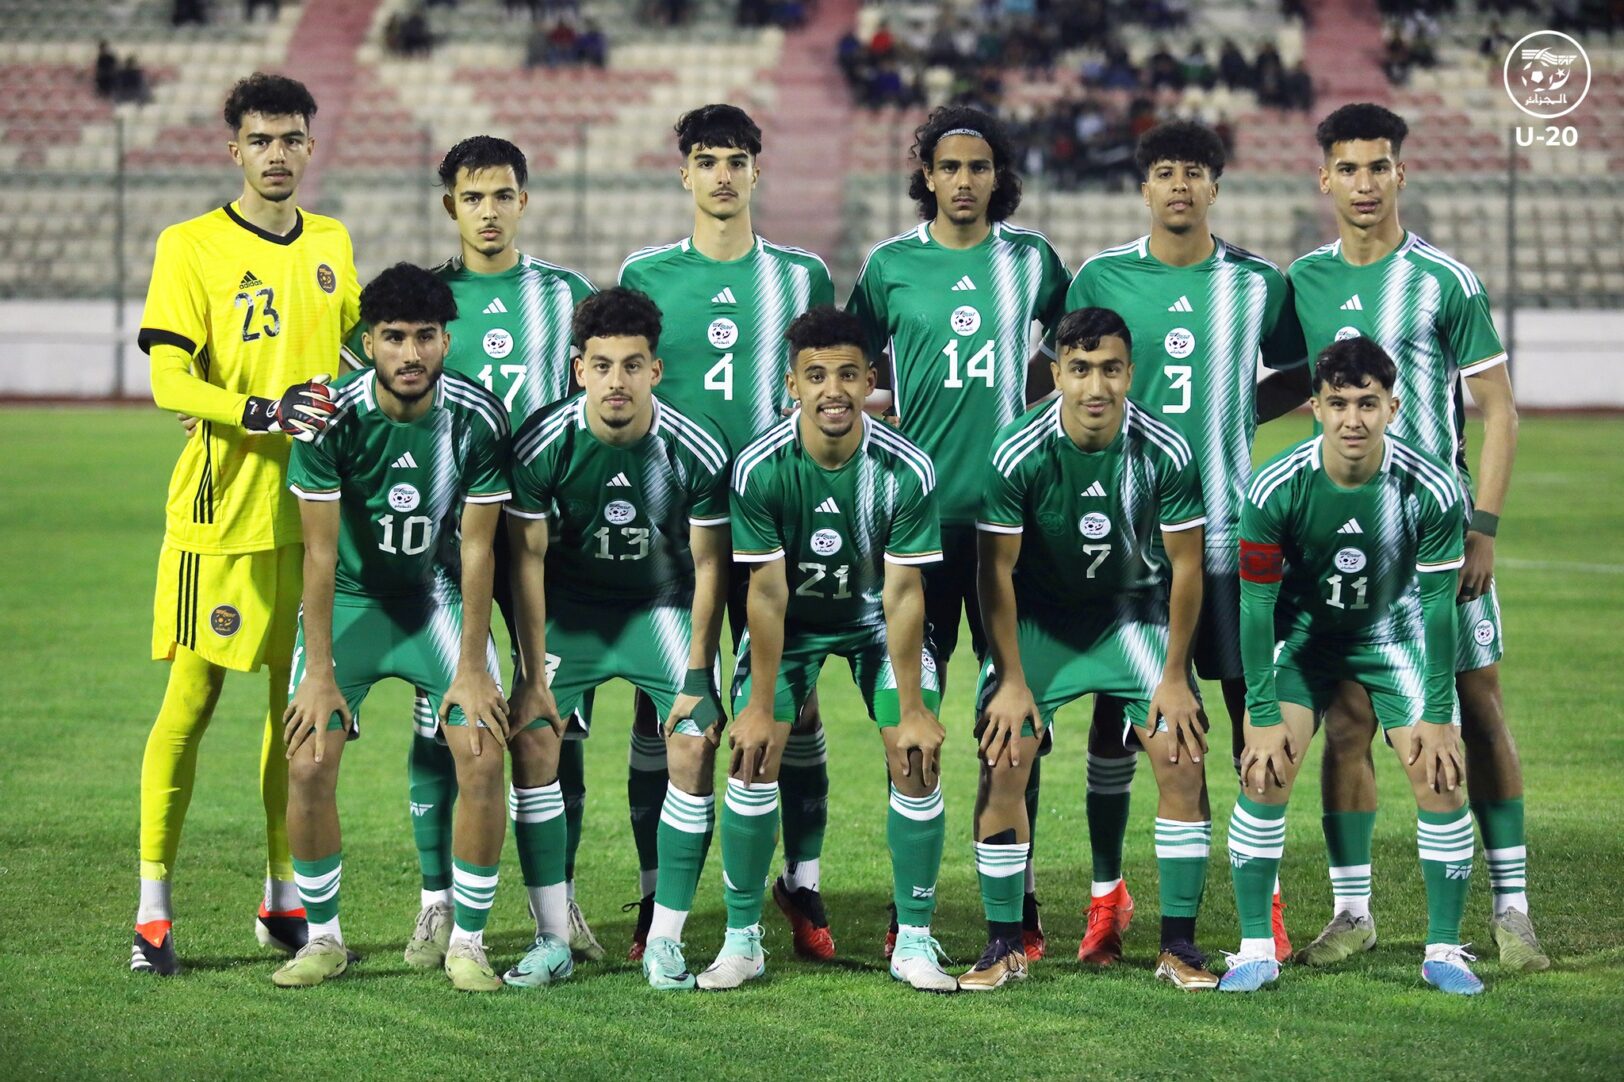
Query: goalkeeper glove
{"points": [[303, 410]]}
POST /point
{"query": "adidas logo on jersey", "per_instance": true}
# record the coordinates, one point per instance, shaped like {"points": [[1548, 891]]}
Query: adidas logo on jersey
{"points": [[829, 507], [725, 297], [1353, 304], [404, 462], [1181, 305], [249, 281], [618, 481], [963, 285], [1096, 489], [1350, 526], [496, 307]]}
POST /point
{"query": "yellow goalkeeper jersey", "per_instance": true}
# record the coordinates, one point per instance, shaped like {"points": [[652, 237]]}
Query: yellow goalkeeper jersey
{"points": [[255, 313]]}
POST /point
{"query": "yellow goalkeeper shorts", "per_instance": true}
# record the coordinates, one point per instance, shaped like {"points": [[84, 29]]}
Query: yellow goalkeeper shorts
{"points": [[239, 611]]}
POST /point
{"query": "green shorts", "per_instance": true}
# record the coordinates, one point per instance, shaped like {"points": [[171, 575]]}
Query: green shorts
{"points": [[589, 644], [1307, 671], [864, 649], [418, 641], [1479, 633], [1067, 656]]}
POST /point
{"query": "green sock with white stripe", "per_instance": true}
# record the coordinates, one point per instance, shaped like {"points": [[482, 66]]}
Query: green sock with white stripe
{"points": [[1349, 842], [686, 822], [539, 833], [646, 781], [1181, 860], [916, 829], [1445, 843], [749, 834], [1001, 868], [1257, 838], [473, 889], [1505, 847], [803, 786], [1110, 784], [318, 881], [431, 777]]}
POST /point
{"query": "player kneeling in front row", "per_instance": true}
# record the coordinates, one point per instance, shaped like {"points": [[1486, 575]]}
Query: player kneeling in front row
{"points": [[634, 586], [413, 451], [835, 513], [1072, 501], [1350, 544]]}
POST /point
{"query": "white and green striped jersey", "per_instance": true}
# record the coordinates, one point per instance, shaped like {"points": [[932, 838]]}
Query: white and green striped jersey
{"points": [[723, 322], [1198, 332], [401, 487], [958, 326], [1427, 310], [619, 516]]}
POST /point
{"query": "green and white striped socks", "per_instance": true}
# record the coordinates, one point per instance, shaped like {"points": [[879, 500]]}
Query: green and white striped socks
{"points": [[1445, 843], [686, 823], [318, 882], [1110, 782], [1257, 839], [473, 889], [915, 829], [539, 832], [1181, 859], [1349, 842], [749, 833]]}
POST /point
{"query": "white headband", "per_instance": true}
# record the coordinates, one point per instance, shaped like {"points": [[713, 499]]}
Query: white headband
{"points": [[971, 132]]}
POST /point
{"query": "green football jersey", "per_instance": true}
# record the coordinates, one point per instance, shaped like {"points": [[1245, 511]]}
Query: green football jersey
{"points": [[958, 325], [835, 529], [621, 531], [1427, 310], [1351, 556], [1198, 332], [401, 487], [1088, 520], [722, 334]]}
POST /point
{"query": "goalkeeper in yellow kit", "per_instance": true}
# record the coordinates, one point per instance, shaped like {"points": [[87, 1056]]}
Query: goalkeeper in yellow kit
{"points": [[243, 323]]}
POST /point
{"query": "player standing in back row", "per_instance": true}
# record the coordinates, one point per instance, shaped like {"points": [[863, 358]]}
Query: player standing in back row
{"points": [[1430, 313], [727, 296], [953, 300], [1200, 310]]}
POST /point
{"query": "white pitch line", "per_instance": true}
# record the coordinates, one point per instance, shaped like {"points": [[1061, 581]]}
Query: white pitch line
{"points": [[1562, 565]]}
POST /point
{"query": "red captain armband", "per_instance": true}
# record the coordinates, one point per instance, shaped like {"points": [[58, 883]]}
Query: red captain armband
{"points": [[1261, 563]]}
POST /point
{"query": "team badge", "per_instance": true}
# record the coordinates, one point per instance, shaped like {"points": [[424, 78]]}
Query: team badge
{"points": [[619, 512], [404, 497], [1052, 521], [225, 621], [498, 343], [1349, 332], [1179, 343], [723, 332], [825, 542], [1483, 632], [326, 278], [927, 662], [1350, 560], [1094, 526], [965, 320]]}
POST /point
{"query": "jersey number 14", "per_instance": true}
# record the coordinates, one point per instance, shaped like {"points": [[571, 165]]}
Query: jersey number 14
{"points": [[979, 366]]}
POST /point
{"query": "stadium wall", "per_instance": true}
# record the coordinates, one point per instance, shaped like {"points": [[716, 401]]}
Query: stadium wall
{"points": [[1563, 359]]}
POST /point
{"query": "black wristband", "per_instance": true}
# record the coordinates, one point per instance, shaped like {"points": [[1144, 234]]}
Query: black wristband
{"points": [[259, 414], [1484, 522]]}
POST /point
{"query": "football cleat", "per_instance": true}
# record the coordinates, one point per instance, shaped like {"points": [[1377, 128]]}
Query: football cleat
{"points": [[1108, 917], [808, 924], [321, 959], [426, 949], [1247, 974], [740, 959], [582, 942], [1000, 963], [1277, 924], [665, 967], [1451, 974], [284, 930], [1514, 935], [547, 962], [1341, 939], [917, 962], [645, 917], [154, 949], [470, 971], [1183, 965], [1032, 938]]}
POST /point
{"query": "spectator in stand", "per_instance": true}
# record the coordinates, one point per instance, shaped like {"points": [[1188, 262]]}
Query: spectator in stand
{"points": [[1163, 71], [251, 7], [188, 11], [130, 85], [106, 71], [535, 47], [592, 47], [1298, 88], [1495, 42], [1234, 69], [415, 39], [561, 44], [1396, 59], [1117, 72], [1295, 9], [883, 43], [1198, 69]]}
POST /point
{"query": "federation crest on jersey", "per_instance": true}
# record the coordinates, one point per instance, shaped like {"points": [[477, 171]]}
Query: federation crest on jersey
{"points": [[404, 497], [1349, 560], [927, 662], [825, 542], [723, 332], [1179, 343], [965, 319], [224, 621], [1094, 526], [498, 343], [1349, 332], [1483, 632], [619, 512], [326, 278]]}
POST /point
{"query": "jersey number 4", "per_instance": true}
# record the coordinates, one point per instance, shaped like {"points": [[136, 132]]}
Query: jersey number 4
{"points": [[259, 302], [720, 377]]}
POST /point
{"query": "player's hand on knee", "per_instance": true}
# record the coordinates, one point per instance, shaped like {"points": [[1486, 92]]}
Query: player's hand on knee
{"points": [[1437, 747], [920, 731], [314, 702], [533, 699], [1174, 701], [1010, 707], [1266, 757], [483, 707], [700, 703], [302, 412], [751, 740]]}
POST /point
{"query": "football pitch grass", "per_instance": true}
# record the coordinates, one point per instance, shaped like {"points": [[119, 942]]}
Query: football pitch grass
{"points": [[84, 491]]}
